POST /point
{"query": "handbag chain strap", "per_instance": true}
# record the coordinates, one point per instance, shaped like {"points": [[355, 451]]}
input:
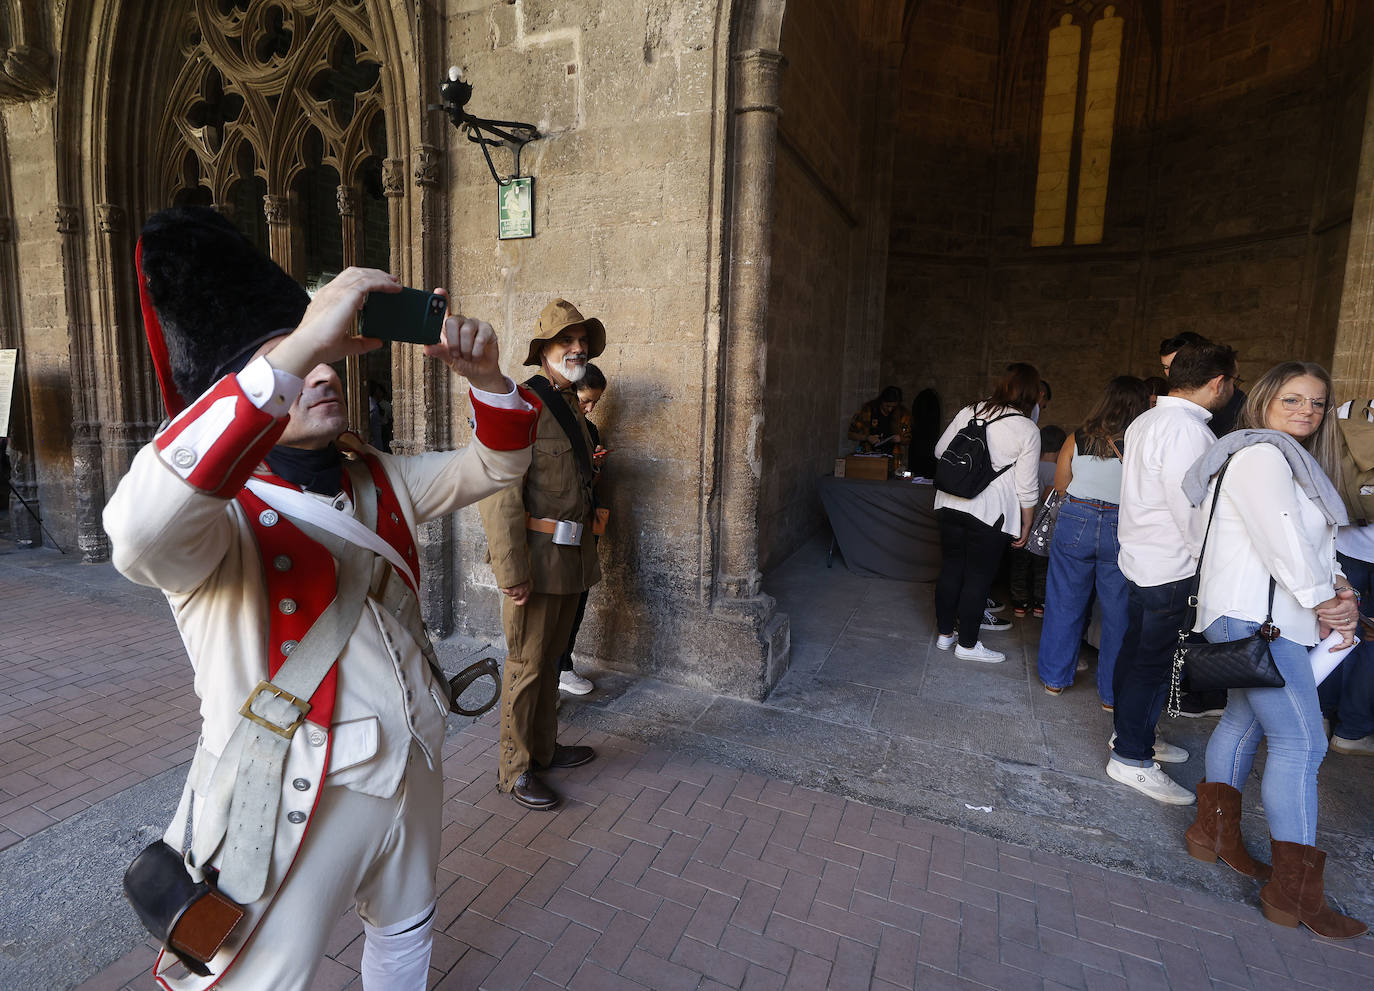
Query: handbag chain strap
{"points": [[1267, 629]]}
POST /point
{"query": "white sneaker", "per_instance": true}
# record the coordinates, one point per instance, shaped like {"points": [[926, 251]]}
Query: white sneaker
{"points": [[979, 653], [1363, 747], [944, 642], [573, 683], [1165, 752], [1150, 781], [995, 606], [991, 622]]}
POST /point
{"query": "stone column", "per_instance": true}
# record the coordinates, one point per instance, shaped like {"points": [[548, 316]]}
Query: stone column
{"points": [[88, 470], [347, 199], [1353, 361], [757, 78], [280, 242]]}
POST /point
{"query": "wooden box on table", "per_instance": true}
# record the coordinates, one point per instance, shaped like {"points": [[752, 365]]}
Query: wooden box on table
{"points": [[862, 466]]}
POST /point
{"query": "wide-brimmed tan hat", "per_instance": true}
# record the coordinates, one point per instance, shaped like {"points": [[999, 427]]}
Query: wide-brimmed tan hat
{"points": [[557, 317]]}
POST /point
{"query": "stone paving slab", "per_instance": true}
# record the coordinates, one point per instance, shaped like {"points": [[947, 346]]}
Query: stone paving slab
{"points": [[670, 865]]}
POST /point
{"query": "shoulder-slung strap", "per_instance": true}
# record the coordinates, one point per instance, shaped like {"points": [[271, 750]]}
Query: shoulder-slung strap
{"points": [[1197, 575], [555, 403]]}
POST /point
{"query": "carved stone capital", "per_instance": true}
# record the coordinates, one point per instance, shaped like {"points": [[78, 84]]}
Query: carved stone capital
{"points": [[759, 75], [6, 230], [277, 209], [427, 166], [223, 209], [348, 201], [109, 217], [68, 220], [393, 177]]}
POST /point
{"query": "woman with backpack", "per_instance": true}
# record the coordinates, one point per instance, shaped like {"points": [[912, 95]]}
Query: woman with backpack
{"points": [[1084, 546], [987, 484]]}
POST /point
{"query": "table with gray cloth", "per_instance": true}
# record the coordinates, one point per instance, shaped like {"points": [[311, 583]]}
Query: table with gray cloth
{"points": [[884, 529]]}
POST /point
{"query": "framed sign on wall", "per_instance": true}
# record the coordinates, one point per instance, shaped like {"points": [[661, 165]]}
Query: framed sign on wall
{"points": [[515, 209]]}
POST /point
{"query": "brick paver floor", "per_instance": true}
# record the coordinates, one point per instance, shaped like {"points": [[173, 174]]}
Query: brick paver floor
{"points": [[660, 871]]}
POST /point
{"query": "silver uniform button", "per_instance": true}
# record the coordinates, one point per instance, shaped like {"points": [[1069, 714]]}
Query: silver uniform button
{"points": [[316, 738], [287, 606], [281, 562], [300, 784], [289, 646], [295, 818], [183, 457], [395, 518], [268, 517]]}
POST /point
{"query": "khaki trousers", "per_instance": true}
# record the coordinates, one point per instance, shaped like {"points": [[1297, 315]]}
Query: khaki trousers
{"points": [[536, 634]]}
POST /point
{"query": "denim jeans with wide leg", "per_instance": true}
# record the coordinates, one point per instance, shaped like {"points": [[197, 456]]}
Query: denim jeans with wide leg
{"points": [[1290, 721], [1082, 557], [1154, 614]]}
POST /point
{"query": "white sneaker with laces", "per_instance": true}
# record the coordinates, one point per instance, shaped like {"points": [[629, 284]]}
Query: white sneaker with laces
{"points": [[991, 622], [979, 653], [573, 683], [1150, 781], [945, 641], [1165, 752]]}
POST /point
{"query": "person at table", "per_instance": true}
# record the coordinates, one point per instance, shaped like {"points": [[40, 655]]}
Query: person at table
{"points": [[1084, 547], [883, 426], [975, 532]]}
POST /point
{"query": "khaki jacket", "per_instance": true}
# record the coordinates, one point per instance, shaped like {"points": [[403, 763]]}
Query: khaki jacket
{"points": [[552, 490]]}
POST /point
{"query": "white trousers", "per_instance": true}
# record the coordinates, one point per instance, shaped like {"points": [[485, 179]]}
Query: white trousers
{"points": [[377, 854]]}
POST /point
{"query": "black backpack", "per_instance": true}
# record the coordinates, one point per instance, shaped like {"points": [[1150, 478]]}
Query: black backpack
{"points": [[965, 469]]}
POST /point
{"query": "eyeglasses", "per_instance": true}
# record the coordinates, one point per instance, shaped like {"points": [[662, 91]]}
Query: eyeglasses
{"points": [[1237, 379], [1295, 403]]}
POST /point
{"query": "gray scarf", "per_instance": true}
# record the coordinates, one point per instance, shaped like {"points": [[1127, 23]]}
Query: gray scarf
{"points": [[1306, 472]]}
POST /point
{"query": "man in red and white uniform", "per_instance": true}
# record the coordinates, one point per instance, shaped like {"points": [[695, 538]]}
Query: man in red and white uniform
{"points": [[362, 785]]}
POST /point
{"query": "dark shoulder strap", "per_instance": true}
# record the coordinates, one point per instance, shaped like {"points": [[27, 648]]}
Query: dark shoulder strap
{"points": [[563, 413]]}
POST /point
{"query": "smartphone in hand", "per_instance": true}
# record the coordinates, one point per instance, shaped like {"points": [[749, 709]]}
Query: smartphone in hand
{"points": [[411, 315]]}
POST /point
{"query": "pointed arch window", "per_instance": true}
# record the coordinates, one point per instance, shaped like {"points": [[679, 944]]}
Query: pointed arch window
{"points": [[276, 118], [1077, 120]]}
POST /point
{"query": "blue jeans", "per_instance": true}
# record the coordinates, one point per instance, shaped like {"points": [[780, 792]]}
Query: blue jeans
{"points": [[1082, 556], [1290, 721], [1140, 682]]}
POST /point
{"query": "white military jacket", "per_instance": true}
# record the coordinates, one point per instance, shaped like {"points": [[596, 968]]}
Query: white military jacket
{"points": [[175, 524]]}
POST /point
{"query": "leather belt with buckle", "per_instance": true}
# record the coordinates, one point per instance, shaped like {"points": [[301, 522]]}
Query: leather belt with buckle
{"points": [[567, 533]]}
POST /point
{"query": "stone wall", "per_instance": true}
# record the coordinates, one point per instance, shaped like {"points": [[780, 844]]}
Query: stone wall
{"points": [[819, 210], [1227, 212]]}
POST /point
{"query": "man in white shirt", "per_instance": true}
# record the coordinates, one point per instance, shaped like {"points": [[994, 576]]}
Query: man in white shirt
{"points": [[1161, 534]]}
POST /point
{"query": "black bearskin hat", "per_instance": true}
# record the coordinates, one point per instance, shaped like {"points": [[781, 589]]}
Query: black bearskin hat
{"points": [[210, 298]]}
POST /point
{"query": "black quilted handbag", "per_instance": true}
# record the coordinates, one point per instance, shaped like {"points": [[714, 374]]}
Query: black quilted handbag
{"points": [[1200, 666]]}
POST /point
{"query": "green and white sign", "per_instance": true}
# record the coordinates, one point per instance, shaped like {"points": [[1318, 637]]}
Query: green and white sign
{"points": [[515, 208]]}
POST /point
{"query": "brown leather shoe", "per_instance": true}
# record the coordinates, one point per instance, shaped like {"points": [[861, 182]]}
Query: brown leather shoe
{"points": [[1215, 834], [569, 756], [1296, 893], [532, 793]]}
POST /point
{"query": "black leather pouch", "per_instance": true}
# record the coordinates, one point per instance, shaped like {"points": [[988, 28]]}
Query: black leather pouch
{"points": [[189, 917]]}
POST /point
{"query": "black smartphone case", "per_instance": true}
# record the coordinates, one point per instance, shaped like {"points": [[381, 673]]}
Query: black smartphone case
{"points": [[411, 315]]}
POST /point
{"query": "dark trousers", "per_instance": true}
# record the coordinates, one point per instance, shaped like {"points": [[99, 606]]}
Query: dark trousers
{"points": [[1027, 573], [1140, 683], [970, 553], [565, 662]]}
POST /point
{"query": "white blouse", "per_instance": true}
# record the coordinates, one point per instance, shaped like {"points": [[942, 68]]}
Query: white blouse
{"points": [[1015, 439], [1266, 525]]}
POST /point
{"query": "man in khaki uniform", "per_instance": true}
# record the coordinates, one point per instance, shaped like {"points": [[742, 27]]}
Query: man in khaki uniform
{"points": [[539, 535]]}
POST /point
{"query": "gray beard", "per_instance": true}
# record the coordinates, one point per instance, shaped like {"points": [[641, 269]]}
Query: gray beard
{"points": [[573, 373]]}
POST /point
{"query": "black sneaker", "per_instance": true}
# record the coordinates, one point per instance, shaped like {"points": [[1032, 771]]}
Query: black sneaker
{"points": [[1194, 705], [991, 622]]}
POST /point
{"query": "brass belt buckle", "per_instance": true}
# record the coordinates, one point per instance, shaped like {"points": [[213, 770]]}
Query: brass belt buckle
{"points": [[302, 707]]}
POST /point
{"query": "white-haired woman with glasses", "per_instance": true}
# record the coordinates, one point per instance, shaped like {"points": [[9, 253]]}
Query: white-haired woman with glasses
{"points": [[1275, 517]]}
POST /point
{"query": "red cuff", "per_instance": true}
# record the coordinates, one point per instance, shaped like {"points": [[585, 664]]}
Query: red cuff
{"points": [[506, 429], [219, 439]]}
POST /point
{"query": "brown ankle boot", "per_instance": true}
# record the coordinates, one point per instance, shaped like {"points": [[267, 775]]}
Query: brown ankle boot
{"points": [[1216, 831], [1296, 894]]}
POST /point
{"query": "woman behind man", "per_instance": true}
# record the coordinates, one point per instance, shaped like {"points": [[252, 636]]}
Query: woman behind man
{"points": [[1275, 515], [1084, 548], [975, 532]]}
